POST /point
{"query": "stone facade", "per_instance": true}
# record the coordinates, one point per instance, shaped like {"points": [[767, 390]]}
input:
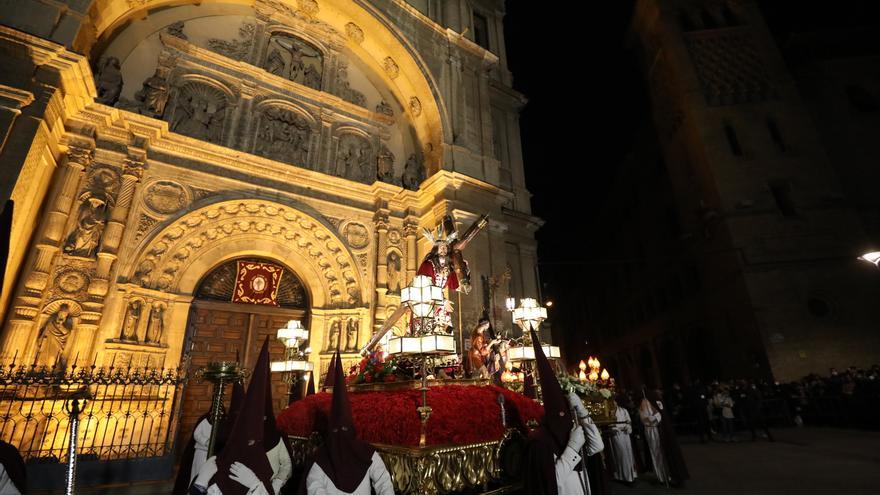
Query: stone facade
{"points": [[320, 135], [740, 235]]}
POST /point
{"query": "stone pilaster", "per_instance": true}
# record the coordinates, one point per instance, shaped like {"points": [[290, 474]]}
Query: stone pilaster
{"points": [[410, 231]]}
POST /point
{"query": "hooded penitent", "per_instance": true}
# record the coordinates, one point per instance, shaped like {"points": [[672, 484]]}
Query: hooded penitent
{"points": [[247, 443], [14, 466], [552, 436], [669, 443], [184, 474], [344, 458]]}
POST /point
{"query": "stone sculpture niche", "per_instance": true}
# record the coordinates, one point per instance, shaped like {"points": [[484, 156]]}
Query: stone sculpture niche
{"points": [[351, 331], [294, 59], [131, 321], [393, 273], [94, 210], [354, 159], [413, 173], [156, 324], [284, 135], [333, 335], [108, 81], [199, 112]]}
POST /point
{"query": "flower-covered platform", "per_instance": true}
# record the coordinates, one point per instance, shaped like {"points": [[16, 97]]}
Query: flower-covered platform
{"points": [[469, 443]]}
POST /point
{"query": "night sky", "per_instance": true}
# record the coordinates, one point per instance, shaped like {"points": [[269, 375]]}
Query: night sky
{"points": [[586, 101]]}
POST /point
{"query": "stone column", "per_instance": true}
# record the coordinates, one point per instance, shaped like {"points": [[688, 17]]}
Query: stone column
{"points": [[22, 321], [381, 221], [410, 231]]}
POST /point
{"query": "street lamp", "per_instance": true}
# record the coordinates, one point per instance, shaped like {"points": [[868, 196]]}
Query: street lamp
{"points": [[873, 257], [296, 359], [423, 297]]}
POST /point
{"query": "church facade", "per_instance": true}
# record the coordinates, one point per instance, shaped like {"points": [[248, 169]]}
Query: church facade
{"points": [[151, 145]]}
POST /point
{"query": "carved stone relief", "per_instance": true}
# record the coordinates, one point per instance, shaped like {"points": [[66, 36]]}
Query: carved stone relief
{"points": [[344, 89], [168, 254], [385, 109], [153, 96], [284, 135], [354, 32], [199, 112], [394, 236], [415, 106], [176, 30], [391, 67], [308, 7], [236, 49], [393, 273], [385, 165], [295, 59], [351, 329], [165, 197], [94, 208], [413, 173], [71, 281], [357, 235], [333, 335], [108, 81], [55, 331], [131, 321], [145, 223], [354, 159], [156, 323]]}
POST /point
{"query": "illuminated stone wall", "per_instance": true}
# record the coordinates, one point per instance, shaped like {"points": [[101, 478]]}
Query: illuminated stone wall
{"points": [[320, 134]]}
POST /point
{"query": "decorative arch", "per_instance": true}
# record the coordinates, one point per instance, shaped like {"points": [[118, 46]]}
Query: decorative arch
{"points": [[370, 36], [176, 258]]}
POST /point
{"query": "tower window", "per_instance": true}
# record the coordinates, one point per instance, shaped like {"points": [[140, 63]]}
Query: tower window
{"points": [[732, 140], [782, 195], [775, 134], [481, 30]]}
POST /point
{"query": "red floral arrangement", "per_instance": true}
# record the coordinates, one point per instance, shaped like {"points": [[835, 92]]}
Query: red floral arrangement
{"points": [[373, 368], [462, 414]]}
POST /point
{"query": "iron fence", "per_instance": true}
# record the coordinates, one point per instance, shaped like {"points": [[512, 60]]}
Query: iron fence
{"points": [[129, 412]]}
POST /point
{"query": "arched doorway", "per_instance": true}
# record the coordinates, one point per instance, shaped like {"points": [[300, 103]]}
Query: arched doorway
{"points": [[219, 329]]}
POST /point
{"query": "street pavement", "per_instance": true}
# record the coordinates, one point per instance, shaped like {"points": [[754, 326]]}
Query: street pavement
{"points": [[802, 461]]}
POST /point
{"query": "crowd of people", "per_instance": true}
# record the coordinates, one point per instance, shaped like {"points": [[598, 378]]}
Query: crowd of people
{"points": [[727, 411]]}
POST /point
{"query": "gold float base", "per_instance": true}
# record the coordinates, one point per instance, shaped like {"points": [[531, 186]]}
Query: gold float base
{"points": [[434, 470]]}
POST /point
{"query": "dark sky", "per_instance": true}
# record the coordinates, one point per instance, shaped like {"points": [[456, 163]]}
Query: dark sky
{"points": [[584, 104]]}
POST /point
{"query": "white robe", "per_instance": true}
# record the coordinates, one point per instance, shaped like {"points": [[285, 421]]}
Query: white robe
{"points": [[7, 487], [201, 437], [652, 437], [282, 467], [377, 478], [624, 463], [569, 481]]}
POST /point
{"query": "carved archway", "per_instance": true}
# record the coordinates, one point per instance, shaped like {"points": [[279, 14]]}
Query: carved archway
{"points": [[175, 259]]}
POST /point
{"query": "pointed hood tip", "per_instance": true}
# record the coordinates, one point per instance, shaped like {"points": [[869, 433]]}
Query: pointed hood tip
{"points": [[557, 413]]}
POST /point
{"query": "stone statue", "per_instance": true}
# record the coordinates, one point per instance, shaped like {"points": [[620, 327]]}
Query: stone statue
{"points": [[352, 334], [413, 173], [275, 63], [130, 323], [384, 108], [109, 81], [52, 339], [199, 117], [312, 77], [86, 236], [365, 171], [284, 136], [176, 30], [154, 94], [385, 165], [393, 273], [156, 325], [333, 338]]}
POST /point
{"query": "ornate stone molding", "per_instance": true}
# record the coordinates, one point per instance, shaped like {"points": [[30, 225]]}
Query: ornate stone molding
{"points": [[168, 255]]}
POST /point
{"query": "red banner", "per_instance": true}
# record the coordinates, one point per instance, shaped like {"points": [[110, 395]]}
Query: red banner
{"points": [[257, 283]]}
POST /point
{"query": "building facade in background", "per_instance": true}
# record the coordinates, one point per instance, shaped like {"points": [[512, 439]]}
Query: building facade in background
{"points": [[729, 241]]}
